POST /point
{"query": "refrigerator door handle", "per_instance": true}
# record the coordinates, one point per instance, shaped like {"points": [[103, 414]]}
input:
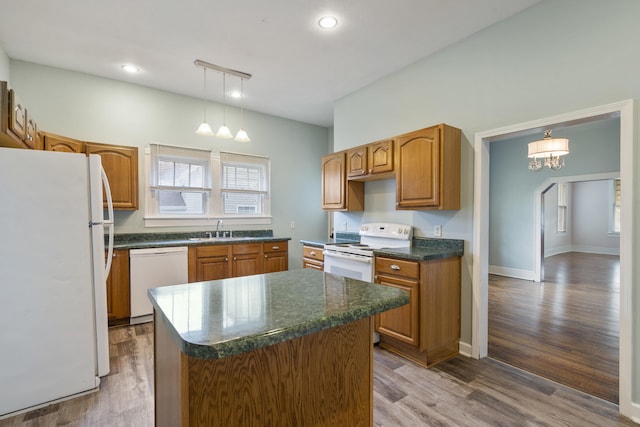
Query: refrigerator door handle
{"points": [[108, 222]]}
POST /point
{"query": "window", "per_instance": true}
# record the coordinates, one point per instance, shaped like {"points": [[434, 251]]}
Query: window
{"points": [[180, 181], [614, 215], [245, 184], [562, 207], [196, 187]]}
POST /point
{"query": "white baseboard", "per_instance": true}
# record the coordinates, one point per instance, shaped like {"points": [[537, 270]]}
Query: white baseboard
{"points": [[511, 272], [635, 412], [597, 250], [464, 348], [557, 251]]}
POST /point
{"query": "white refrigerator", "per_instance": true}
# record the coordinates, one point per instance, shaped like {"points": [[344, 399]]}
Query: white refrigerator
{"points": [[53, 301]]}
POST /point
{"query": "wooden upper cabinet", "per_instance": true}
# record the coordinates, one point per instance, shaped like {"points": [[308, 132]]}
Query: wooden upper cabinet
{"points": [[17, 128], [357, 162], [371, 161], [428, 169], [54, 142], [17, 116], [381, 157], [120, 163], [338, 193]]}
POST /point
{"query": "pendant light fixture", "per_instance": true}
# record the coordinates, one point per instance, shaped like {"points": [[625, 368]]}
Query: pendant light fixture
{"points": [[549, 150], [242, 136], [224, 131], [204, 129]]}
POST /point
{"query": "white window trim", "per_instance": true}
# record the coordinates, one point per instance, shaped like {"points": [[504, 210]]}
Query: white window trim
{"points": [[214, 211], [562, 219]]}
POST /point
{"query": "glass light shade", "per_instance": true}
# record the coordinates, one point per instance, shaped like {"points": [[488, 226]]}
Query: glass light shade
{"points": [[224, 132], [548, 147], [204, 129], [242, 136]]}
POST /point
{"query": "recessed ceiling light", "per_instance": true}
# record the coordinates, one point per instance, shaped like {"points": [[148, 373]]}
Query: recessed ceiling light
{"points": [[327, 22], [130, 68]]}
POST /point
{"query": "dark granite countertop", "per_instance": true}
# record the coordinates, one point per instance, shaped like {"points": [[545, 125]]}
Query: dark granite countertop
{"points": [[340, 237], [159, 240], [422, 248], [425, 249], [222, 318]]}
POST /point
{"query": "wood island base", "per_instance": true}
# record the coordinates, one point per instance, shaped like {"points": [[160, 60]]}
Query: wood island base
{"points": [[321, 379]]}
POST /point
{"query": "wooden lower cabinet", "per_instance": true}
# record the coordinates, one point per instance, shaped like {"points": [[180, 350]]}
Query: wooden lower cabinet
{"points": [[209, 263], [214, 262], [312, 257], [427, 330], [246, 259], [276, 256], [118, 291]]}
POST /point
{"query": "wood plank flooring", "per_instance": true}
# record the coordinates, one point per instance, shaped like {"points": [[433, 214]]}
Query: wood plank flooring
{"points": [[565, 329], [459, 392]]}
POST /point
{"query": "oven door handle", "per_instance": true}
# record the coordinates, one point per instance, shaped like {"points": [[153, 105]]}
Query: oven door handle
{"points": [[357, 258]]}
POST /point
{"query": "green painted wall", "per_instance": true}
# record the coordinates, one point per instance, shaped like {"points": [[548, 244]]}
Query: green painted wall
{"points": [[556, 57], [91, 108]]}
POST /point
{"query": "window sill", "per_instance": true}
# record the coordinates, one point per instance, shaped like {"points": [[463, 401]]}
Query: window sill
{"points": [[204, 222]]}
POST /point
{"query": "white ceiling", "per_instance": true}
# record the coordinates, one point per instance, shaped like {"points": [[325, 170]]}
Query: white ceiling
{"points": [[298, 69]]}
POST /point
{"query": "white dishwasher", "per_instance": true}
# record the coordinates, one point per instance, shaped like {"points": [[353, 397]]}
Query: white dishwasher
{"points": [[150, 268]]}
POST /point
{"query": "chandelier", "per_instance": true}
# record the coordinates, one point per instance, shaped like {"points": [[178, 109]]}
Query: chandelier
{"points": [[547, 152]]}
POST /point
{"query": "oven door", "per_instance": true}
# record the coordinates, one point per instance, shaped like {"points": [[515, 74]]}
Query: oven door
{"points": [[349, 265]]}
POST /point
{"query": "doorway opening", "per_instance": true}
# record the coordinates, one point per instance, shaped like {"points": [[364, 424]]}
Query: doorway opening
{"points": [[480, 273]]}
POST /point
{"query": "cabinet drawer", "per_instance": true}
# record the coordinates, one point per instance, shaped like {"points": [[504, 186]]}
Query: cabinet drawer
{"points": [[397, 267], [313, 252], [212, 251], [279, 246]]}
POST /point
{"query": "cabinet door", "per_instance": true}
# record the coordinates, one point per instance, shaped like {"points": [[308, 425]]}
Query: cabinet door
{"points": [[306, 263], [209, 263], [17, 116], [246, 259], [338, 194], [121, 166], [31, 137], [401, 323], [276, 256], [418, 169], [381, 157], [62, 143], [118, 293], [357, 162], [333, 181]]}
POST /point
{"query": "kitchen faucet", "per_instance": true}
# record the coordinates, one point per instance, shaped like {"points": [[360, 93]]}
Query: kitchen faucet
{"points": [[218, 226]]}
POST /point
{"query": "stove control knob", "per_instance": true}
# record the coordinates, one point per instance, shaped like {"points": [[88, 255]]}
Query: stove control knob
{"points": [[364, 228], [406, 231]]}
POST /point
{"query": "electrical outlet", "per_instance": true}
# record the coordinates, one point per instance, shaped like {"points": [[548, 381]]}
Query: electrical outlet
{"points": [[437, 231], [292, 224], [345, 226]]}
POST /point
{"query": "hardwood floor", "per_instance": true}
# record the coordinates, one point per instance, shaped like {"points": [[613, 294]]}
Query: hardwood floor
{"points": [[565, 329], [459, 392]]}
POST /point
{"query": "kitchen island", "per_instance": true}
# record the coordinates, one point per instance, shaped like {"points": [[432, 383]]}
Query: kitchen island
{"points": [[287, 348]]}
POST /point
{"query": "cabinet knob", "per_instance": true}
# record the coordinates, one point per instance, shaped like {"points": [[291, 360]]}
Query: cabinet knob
{"points": [[275, 248], [266, 256], [226, 260], [395, 267], [235, 259], [312, 253]]}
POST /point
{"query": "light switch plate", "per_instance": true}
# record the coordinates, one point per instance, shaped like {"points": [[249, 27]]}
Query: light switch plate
{"points": [[437, 231]]}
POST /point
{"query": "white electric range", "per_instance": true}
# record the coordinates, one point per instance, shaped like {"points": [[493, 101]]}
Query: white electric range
{"points": [[355, 260]]}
